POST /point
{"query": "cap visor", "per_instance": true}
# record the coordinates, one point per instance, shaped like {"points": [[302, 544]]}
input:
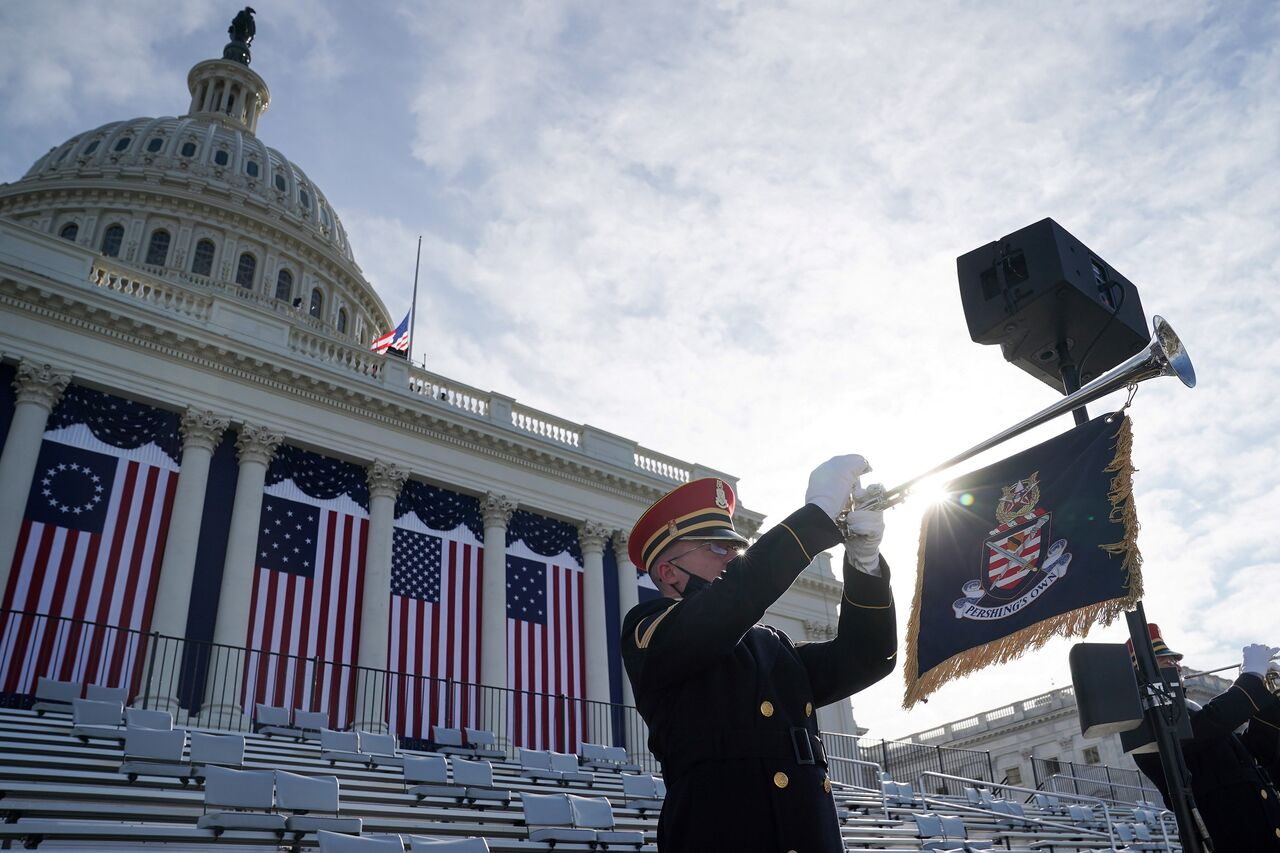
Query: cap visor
{"points": [[716, 534]]}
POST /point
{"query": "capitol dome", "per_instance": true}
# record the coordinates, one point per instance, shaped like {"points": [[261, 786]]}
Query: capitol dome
{"points": [[201, 199]]}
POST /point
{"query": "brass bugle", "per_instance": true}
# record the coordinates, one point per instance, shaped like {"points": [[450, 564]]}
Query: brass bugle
{"points": [[1164, 355]]}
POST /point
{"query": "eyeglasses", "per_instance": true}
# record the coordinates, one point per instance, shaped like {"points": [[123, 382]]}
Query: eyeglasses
{"points": [[714, 547]]}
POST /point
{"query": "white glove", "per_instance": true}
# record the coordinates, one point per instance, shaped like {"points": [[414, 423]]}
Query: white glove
{"points": [[866, 529], [1257, 658], [832, 482]]}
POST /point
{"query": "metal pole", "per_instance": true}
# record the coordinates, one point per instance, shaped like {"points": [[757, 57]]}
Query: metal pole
{"points": [[413, 307], [1162, 715], [1070, 380], [151, 668]]}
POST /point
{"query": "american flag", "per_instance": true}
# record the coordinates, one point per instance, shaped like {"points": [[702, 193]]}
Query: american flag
{"points": [[90, 546], [546, 666], [305, 603], [434, 630], [397, 338]]}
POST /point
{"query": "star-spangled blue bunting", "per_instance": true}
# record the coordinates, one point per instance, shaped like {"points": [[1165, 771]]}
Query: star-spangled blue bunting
{"points": [[118, 422], [319, 476], [544, 536], [440, 509]]}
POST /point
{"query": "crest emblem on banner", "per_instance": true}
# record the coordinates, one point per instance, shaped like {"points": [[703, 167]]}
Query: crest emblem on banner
{"points": [[1018, 565]]}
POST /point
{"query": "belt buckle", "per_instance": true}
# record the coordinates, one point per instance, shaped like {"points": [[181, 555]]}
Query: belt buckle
{"points": [[803, 745]]}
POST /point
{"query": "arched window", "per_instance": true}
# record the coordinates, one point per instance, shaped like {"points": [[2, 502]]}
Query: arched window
{"points": [[158, 247], [246, 269], [92, 146], [202, 258], [342, 319], [284, 285], [251, 168], [188, 149], [122, 143], [155, 144], [69, 231], [280, 184], [221, 157], [111, 240], [317, 303]]}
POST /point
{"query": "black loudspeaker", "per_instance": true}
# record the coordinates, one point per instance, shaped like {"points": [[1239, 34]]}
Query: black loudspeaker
{"points": [[1106, 689], [1038, 287]]}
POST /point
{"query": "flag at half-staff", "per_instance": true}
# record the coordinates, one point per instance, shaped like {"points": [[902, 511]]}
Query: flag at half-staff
{"points": [[1038, 545], [396, 339]]}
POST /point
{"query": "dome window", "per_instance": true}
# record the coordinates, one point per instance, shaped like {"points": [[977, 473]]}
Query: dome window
{"points": [[246, 269], [202, 259], [317, 303], [342, 320], [251, 168], [280, 184], [304, 199], [188, 149], [122, 143], [284, 285], [155, 144], [91, 147], [158, 248], [221, 157], [69, 231], [111, 240], [324, 215]]}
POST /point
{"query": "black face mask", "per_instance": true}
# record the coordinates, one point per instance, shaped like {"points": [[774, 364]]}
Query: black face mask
{"points": [[694, 584]]}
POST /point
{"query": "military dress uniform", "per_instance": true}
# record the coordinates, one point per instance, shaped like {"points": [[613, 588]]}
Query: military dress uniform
{"points": [[731, 704], [1235, 797]]}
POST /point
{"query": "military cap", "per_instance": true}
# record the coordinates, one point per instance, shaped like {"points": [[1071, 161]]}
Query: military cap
{"points": [[1157, 644], [702, 509]]}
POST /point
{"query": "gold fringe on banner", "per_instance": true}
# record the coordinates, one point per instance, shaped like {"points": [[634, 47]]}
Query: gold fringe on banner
{"points": [[1075, 623]]}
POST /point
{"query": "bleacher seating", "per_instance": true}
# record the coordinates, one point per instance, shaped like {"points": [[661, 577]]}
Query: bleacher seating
{"points": [[56, 696], [600, 757], [558, 767], [93, 719], [54, 787]]}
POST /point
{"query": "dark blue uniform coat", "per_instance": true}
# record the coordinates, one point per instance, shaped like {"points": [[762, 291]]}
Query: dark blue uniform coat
{"points": [[1237, 801], [730, 704]]}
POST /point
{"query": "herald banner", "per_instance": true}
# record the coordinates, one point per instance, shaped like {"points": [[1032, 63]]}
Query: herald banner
{"points": [[1038, 545]]}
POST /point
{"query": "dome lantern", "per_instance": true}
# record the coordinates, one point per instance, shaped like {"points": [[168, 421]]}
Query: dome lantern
{"points": [[225, 90]]}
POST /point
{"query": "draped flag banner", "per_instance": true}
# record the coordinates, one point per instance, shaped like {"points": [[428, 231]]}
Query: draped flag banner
{"points": [[434, 626], [546, 660], [1041, 544], [91, 543], [305, 603]]}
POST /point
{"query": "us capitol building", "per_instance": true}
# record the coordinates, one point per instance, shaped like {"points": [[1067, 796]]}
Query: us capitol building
{"points": [[182, 272]]}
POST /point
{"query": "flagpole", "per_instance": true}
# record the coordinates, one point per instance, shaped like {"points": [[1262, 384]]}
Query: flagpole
{"points": [[413, 307]]}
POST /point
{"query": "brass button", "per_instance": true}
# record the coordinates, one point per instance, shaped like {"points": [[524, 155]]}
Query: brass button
{"points": [[826, 785], [791, 851], [808, 709], [766, 708], [1277, 832], [780, 779], [1263, 792]]}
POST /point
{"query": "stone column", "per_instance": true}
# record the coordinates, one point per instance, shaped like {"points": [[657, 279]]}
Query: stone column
{"points": [[256, 446], [628, 597], [496, 510], [591, 537], [385, 482], [39, 388], [201, 432], [633, 727]]}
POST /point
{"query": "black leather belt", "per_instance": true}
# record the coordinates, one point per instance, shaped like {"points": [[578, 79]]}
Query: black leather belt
{"points": [[796, 745]]}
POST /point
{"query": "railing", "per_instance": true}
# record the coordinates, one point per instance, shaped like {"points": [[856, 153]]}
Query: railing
{"points": [[906, 760], [157, 292], [192, 296], [552, 428], [1095, 780], [217, 686]]}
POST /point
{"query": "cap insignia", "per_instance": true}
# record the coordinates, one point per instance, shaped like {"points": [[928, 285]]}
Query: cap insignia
{"points": [[721, 500]]}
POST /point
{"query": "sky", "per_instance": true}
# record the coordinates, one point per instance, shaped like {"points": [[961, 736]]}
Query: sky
{"points": [[728, 230]]}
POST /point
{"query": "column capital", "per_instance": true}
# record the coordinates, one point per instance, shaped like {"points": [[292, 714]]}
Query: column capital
{"points": [[621, 539], [257, 443], [41, 384], [385, 479], [496, 509], [202, 428], [592, 536]]}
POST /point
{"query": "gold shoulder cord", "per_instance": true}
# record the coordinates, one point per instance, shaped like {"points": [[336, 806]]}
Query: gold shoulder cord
{"points": [[643, 642]]}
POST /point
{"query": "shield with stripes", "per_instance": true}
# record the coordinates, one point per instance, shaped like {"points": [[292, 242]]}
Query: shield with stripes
{"points": [[1013, 554]]}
